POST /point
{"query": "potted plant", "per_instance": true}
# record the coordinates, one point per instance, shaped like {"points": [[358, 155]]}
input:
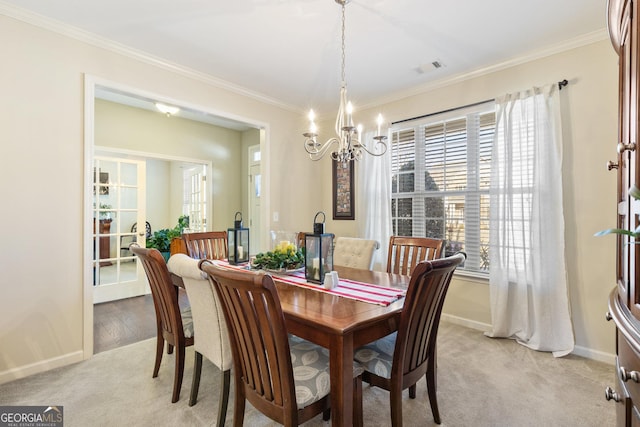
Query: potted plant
{"points": [[161, 239]]}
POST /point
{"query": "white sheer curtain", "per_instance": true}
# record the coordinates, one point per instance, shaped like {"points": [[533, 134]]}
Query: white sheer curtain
{"points": [[528, 279], [373, 206]]}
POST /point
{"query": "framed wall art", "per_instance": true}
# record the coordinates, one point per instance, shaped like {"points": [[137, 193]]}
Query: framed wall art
{"points": [[343, 190]]}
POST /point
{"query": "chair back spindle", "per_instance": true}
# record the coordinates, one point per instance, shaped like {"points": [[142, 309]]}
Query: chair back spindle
{"points": [[406, 252]]}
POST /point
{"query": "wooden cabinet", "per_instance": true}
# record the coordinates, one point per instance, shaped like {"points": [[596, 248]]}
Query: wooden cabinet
{"points": [[104, 242], [624, 302]]}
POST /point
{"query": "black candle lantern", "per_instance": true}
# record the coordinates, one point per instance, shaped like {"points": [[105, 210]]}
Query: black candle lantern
{"points": [[318, 256], [238, 242]]}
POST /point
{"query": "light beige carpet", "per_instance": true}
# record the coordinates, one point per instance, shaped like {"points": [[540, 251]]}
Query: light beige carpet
{"points": [[481, 382]]}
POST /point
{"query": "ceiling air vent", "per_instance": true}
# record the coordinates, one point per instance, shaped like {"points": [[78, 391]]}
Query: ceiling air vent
{"points": [[429, 66]]}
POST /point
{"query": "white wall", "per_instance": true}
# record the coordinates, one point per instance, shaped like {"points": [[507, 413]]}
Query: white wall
{"points": [[589, 105]]}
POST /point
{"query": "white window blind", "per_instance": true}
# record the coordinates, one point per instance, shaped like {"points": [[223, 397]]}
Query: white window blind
{"points": [[441, 168]]}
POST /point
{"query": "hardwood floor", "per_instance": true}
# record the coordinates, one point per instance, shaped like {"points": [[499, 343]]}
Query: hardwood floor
{"points": [[126, 321]]}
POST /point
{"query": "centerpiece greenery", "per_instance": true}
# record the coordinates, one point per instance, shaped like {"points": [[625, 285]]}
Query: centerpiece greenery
{"points": [[285, 256]]}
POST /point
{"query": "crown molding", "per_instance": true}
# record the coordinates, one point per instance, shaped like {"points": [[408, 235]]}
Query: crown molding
{"points": [[576, 42], [103, 43]]}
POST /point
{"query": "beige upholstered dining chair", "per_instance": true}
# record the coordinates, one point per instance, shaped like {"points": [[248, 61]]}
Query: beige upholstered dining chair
{"points": [[354, 252], [399, 360], [283, 376], [406, 252], [175, 326], [208, 324], [206, 245]]}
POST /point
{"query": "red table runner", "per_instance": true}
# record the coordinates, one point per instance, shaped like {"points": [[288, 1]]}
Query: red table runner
{"points": [[360, 291]]}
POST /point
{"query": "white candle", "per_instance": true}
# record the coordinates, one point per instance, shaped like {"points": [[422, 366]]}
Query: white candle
{"points": [[240, 252], [312, 125], [379, 123], [349, 113], [316, 263]]}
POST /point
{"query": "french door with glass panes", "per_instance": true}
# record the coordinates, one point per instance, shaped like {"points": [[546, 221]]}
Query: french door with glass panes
{"points": [[195, 197], [118, 220]]}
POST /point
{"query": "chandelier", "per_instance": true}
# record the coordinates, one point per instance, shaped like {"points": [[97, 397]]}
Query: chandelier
{"points": [[347, 145]]}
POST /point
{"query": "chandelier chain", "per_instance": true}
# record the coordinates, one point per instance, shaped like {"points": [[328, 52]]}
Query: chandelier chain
{"points": [[344, 79]]}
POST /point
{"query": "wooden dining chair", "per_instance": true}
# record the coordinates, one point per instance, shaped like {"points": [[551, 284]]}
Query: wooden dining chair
{"points": [[206, 245], [406, 252], [174, 326], [208, 325], [399, 360], [283, 376]]}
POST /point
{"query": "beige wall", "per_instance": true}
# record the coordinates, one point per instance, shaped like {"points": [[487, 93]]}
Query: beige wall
{"points": [[589, 117], [45, 221]]}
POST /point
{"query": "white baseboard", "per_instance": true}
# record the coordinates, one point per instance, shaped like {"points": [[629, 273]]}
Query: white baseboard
{"points": [[472, 324], [578, 350], [42, 366], [600, 356]]}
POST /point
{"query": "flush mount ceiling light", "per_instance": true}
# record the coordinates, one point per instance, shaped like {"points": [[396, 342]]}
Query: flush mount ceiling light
{"points": [[347, 145], [167, 109]]}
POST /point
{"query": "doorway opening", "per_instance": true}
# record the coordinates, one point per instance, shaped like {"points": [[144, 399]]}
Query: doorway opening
{"points": [[98, 89]]}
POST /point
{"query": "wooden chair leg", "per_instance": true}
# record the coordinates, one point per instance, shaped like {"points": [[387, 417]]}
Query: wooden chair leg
{"points": [[177, 379], [431, 390], [169, 348], [159, 349], [358, 416], [238, 407], [195, 382], [412, 391], [395, 400], [224, 397]]}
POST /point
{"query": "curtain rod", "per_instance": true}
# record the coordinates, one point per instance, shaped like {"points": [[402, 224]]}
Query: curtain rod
{"points": [[561, 84]]}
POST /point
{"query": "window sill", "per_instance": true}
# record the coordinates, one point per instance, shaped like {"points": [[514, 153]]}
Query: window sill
{"points": [[472, 276]]}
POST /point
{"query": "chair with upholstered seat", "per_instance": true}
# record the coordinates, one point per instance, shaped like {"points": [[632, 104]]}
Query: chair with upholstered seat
{"points": [[208, 325], [406, 252], [284, 377], [399, 360], [174, 326], [354, 252], [206, 245]]}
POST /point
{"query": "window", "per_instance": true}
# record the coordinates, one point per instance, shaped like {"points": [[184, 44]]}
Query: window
{"points": [[440, 169]]}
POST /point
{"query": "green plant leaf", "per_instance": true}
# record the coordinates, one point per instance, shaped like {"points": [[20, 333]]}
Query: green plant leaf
{"points": [[617, 231], [634, 192]]}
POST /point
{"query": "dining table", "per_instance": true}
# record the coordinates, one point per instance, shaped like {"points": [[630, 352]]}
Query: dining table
{"points": [[339, 323]]}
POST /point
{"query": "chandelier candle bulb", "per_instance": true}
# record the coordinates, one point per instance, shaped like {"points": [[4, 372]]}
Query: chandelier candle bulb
{"points": [[379, 123]]}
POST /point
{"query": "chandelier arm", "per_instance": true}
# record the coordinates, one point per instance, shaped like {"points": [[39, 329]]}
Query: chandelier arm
{"points": [[316, 150], [380, 141]]}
